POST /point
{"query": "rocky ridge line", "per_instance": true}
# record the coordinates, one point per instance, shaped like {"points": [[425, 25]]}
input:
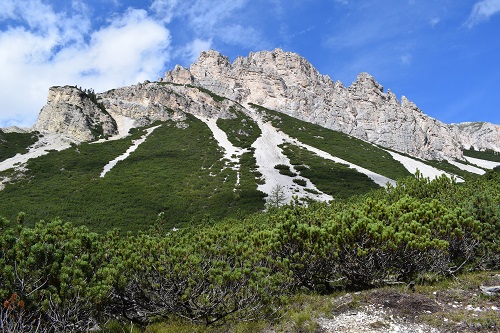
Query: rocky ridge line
{"points": [[288, 83], [277, 80]]}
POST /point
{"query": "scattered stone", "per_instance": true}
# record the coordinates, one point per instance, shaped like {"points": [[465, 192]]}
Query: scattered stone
{"points": [[490, 291]]}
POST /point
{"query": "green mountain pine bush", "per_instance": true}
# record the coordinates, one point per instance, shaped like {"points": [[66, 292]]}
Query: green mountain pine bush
{"points": [[54, 274]]}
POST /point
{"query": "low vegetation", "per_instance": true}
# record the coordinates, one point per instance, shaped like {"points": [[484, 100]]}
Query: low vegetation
{"points": [[335, 179], [57, 276], [489, 155], [15, 143], [195, 252], [178, 171], [241, 131], [337, 144]]}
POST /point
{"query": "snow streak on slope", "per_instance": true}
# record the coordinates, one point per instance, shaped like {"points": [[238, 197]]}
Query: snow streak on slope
{"points": [[467, 167], [268, 154], [413, 165], [377, 178], [482, 163], [124, 124], [231, 153], [40, 148], [130, 150]]}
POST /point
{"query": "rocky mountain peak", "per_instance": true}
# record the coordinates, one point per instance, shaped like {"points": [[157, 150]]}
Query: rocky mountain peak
{"points": [[278, 80], [76, 114], [288, 83], [365, 83]]}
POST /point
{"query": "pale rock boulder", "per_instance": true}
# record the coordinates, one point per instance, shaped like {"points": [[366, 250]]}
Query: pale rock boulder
{"points": [[71, 112]]}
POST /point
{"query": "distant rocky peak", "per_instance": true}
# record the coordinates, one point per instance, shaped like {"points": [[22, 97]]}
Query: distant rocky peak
{"points": [[366, 83], [278, 80]]}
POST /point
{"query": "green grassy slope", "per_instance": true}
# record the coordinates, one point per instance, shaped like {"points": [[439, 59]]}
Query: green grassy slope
{"points": [[338, 144], [176, 171], [332, 178], [488, 155], [13, 143]]}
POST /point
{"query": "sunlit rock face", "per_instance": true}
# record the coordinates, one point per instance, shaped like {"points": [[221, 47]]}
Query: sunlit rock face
{"points": [[71, 112], [288, 83], [278, 80]]}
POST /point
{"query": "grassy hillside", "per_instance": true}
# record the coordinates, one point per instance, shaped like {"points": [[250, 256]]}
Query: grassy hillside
{"points": [[332, 178], [488, 155], [338, 144], [13, 143], [242, 131], [176, 171]]}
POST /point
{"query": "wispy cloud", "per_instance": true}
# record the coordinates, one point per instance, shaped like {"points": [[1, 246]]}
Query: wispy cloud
{"points": [[434, 21], [164, 9], [193, 49], [56, 48], [482, 11]]}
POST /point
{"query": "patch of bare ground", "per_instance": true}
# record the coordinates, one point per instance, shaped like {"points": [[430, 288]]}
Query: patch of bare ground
{"points": [[456, 305]]}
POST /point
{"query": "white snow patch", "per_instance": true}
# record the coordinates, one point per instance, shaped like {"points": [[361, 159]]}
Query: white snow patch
{"points": [[40, 148], [231, 152], [413, 165], [482, 163], [467, 167], [268, 154], [131, 149], [377, 178], [124, 124]]}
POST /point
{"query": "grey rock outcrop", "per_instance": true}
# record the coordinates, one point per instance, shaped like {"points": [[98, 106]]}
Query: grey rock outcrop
{"points": [[478, 135], [278, 80], [288, 83], [72, 113], [152, 101]]}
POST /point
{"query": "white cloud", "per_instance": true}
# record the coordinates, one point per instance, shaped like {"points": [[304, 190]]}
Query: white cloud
{"points": [[205, 15], [164, 9], [482, 11], [192, 51], [58, 49], [7, 9]]}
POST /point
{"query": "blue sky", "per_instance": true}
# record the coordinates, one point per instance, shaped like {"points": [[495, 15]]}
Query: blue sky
{"points": [[442, 54]]}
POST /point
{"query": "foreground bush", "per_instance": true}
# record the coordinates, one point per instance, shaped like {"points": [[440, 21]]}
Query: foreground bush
{"points": [[204, 275], [55, 277]]}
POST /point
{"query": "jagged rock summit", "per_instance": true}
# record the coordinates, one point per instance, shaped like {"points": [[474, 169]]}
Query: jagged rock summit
{"points": [[288, 83], [283, 81]]}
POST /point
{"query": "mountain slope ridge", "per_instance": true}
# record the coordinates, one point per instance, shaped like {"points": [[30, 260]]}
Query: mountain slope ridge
{"points": [[286, 82]]}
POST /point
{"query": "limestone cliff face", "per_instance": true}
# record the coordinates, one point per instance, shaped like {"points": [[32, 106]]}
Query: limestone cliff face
{"points": [[288, 83], [71, 112], [151, 101], [480, 136], [283, 81]]}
